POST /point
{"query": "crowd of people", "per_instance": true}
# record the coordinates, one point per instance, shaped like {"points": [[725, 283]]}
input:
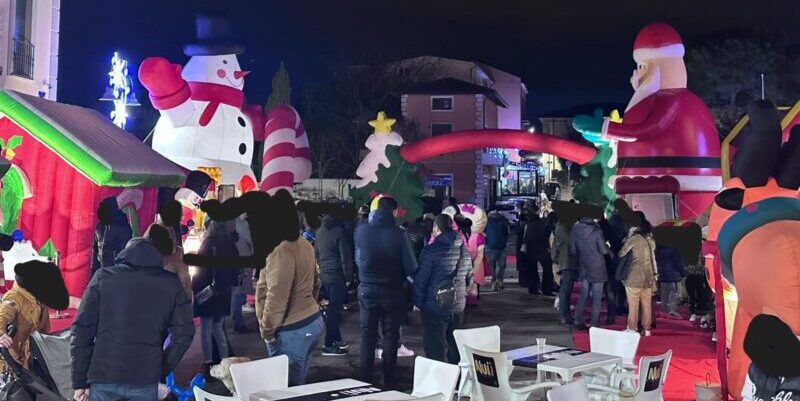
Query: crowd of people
{"points": [[618, 258], [135, 320]]}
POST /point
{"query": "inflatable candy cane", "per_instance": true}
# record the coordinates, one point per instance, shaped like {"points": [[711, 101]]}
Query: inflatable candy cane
{"points": [[287, 157]]}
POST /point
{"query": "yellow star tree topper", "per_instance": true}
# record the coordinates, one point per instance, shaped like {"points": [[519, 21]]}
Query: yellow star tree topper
{"points": [[382, 124]]}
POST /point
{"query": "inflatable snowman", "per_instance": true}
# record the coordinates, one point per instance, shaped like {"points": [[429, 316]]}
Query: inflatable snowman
{"points": [[202, 124]]}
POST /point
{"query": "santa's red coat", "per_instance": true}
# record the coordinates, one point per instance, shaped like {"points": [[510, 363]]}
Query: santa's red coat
{"points": [[674, 135]]}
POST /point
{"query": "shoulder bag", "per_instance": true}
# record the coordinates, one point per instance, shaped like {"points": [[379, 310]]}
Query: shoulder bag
{"points": [[623, 267], [444, 292]]}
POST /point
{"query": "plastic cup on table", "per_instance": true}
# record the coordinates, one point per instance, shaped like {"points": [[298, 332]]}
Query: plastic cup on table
{"points": [[540, 345]]}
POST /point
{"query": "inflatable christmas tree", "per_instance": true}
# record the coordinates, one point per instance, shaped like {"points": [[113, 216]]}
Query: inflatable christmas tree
{"points": [[597, 187], [384, 171]]}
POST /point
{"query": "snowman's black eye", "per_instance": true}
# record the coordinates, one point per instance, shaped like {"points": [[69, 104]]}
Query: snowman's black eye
{"points": [[241, 122], [242, 148], [224, 61]]}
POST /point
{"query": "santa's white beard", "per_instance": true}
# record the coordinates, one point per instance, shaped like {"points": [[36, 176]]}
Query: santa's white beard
{"points": [[646, 88]]}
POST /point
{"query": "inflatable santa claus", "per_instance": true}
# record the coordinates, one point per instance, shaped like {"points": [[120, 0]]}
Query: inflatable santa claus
{"points": [[666, 130], [203, 125]]}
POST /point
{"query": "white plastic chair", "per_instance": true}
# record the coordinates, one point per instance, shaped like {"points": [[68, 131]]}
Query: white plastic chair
{"points": [[200, 395], [260, 375], [573, 391], [490, 372], [612, 342], [432, 397], [434, 377], [650, 384], [482, 338]]}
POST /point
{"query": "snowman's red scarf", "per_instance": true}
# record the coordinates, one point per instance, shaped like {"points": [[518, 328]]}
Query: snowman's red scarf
{"points": [[215, 94]]}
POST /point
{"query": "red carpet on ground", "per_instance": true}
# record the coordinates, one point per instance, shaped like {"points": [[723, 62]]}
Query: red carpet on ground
{"points": [[693, 352]]}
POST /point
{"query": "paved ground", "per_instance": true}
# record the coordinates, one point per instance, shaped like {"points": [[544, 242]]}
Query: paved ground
{"points": [[521, 317]]}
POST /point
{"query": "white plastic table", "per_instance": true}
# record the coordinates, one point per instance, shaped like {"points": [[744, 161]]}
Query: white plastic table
{"points": [[300, 392], [568, 366]]}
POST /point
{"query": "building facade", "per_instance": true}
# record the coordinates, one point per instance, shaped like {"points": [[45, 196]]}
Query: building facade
{"points": [[29, 34], [459, 96]]}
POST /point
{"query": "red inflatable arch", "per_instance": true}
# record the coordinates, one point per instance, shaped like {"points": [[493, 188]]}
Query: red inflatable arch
{"points": [[496, 138]]}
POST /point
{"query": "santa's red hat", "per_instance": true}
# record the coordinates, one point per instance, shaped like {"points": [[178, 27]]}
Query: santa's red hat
{"points": [[657, 40]]}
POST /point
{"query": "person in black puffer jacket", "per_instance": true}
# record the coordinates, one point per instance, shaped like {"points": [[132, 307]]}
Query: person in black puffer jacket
{"points": [[126, 313], [445, 269], [384, 260], [334, 252]]}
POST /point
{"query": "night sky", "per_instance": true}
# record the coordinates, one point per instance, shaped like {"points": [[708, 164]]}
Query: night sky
{"points": [[567, 52]]}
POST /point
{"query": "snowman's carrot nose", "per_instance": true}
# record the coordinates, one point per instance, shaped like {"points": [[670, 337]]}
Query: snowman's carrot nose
{"points": [[240, 74]]}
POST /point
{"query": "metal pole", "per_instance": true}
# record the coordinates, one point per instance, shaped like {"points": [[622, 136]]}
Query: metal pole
{"points": [[762, 86]]}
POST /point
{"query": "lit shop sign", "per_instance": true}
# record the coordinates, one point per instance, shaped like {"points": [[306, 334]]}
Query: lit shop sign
{"points": [[439, 180]]}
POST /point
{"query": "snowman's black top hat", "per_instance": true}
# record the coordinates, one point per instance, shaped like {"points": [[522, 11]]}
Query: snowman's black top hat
{"points": [[214, 37]]}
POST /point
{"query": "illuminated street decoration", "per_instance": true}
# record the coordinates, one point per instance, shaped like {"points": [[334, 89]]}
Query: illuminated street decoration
{"points": [[119, 91]]}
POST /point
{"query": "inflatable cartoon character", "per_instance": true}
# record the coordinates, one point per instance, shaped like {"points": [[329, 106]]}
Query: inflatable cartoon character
{"points": [[754, 231], [666, 129], [475, 245], [203, 124]]}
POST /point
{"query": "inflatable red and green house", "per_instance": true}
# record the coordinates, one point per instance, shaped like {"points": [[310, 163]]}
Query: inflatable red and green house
{"points": [[65, 160]]}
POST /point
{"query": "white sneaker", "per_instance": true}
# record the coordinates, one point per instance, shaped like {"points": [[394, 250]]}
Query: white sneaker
{"points": [[247, 308], [378, 353], [693, 317], [647, 333], [555, 304], [714, 337], [404, 352]]}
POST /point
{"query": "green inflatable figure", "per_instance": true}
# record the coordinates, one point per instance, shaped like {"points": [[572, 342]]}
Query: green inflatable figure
{"points": [[596, 187]]}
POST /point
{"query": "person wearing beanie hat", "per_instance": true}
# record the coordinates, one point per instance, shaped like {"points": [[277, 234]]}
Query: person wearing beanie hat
{"points": [[38, 285], [666, 129]]}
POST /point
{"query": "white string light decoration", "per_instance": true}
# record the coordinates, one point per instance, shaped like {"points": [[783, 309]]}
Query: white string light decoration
{"points": [[120, 85]]}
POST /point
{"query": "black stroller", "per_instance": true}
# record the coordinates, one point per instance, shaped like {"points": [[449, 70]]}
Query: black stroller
{"points": [[25, 385]]}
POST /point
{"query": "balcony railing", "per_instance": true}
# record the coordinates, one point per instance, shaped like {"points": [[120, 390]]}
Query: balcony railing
{"points": [[22, 62]]}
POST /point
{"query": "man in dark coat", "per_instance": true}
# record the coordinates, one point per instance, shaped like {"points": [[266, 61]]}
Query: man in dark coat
{"points": [[384, 260], [126, 313], [589, 246], [671, 271], [496, 242], [537, 243], [111, 234], [440, 290], [334, 252]]}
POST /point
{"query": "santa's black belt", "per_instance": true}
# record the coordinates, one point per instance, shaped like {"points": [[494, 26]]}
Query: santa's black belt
{"points": [[669, 161]]}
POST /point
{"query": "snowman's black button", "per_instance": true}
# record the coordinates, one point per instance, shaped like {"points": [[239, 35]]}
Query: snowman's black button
{"points": [[242, 148], [241, 122]]}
